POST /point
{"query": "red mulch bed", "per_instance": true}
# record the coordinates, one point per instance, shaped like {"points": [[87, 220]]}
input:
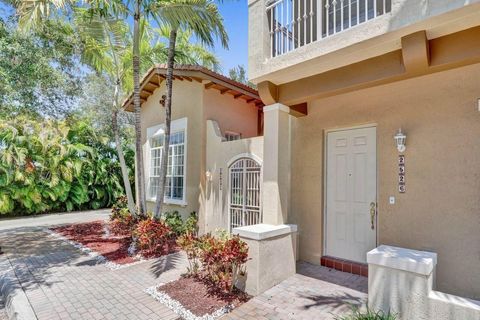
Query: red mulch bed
{"points": [[114, 248], [91, 235], [200, 297]]}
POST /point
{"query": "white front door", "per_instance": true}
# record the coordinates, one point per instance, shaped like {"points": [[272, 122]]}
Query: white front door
{"points": [[351, 193]]}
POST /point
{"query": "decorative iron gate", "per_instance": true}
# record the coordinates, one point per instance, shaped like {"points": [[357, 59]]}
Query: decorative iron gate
{"points": [[245, 193]]}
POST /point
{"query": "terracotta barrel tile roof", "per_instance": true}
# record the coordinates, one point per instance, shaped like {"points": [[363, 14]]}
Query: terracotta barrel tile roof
{"points": [[213, 80]]}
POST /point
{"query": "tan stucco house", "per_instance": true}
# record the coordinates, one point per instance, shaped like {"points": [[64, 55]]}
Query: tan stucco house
{"points": [[339, 79], [359, 152], [202, 101]]}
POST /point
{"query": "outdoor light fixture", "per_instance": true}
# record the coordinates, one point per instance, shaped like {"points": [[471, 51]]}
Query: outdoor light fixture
{"points": [[400, 139]]}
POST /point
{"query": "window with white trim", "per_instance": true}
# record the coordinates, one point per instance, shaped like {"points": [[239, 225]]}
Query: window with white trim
{"points": [[175, 182]]}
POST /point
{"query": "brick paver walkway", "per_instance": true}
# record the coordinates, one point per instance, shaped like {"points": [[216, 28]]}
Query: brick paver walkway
{"points": [[313, 293], [62, 283]]}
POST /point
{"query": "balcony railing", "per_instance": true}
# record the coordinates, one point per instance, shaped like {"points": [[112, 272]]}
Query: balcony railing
{"points": [[295, 23]]}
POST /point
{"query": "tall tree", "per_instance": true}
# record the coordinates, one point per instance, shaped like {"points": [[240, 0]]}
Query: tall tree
{"points": [[39, 71], [203, 19], [106, 40]]}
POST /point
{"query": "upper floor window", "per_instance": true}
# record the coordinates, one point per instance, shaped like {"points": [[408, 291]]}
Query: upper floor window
{"points": [[175, 179]]}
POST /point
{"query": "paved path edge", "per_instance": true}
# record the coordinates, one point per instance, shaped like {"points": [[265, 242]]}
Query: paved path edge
{"points": [[17, 305]]}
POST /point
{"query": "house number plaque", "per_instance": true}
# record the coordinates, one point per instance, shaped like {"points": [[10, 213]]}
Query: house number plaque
{"points": [[401, 173]]}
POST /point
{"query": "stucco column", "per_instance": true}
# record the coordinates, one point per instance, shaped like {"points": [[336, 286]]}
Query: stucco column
{"points": [[258, 36], [276, 164]]}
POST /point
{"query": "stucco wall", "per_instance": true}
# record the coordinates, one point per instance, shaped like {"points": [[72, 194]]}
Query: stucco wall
{"points": [[218, 155], [231, 114], [440, 210], [191, 100], [187, 102]]}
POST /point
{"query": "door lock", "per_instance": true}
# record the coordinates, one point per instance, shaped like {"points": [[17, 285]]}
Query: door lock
{"points": [[373, 212]]}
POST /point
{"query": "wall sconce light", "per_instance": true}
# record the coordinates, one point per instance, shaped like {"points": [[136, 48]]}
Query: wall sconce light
{"points": [[208, 175], [400, 139]]}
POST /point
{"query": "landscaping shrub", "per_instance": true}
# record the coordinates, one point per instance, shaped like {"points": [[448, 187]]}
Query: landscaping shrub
{"points": [[120, 203], [356, 314], [175, 222], [152, 237], [122, 223], [222, 258], [191, 224], [191, 245]]}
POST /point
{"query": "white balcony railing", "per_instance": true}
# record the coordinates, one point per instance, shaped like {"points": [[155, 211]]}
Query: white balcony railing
{"points": [[295, 23]]}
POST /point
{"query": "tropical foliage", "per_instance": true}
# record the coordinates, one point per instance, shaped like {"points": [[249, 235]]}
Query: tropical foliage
{"points": [[56, 165]]}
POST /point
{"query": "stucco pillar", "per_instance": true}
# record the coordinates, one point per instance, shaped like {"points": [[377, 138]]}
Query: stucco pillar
{"points": [[276, 164], [258, 37]]}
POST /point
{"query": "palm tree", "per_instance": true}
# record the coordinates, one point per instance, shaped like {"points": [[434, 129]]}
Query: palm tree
{"points": [[187, 51], [105, 42], [203, 19], [199, 16]]}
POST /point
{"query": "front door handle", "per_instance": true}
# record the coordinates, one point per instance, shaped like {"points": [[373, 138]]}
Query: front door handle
{"points": [[373, 212]]}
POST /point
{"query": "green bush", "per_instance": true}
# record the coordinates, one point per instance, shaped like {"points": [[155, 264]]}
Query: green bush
{"points": [[53, 165], [368, 314], [175, 222], [191, 224]]}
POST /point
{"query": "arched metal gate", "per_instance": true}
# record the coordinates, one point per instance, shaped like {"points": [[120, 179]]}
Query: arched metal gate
{"points": [[245, 194]]}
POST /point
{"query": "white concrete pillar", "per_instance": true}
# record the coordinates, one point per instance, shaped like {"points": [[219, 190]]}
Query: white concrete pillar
{"points": [[276, 164], [402, 281], [272, 252]]}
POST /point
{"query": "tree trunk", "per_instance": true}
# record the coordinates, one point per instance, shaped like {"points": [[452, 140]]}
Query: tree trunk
{"points": [[121, 157], [168, 113], [140, 174]]}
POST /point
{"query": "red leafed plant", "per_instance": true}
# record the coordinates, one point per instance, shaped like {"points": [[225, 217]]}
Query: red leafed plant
{"points": [[223, 259], [123, 226], [152, 237], [191, 245], [235, 255]]}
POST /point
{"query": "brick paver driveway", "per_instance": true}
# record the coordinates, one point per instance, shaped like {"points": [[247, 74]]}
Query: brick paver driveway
{"points": [[313, 293], [62, 283]]}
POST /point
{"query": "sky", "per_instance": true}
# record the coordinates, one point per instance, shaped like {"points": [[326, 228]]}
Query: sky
{"points": [[235, 15]]}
